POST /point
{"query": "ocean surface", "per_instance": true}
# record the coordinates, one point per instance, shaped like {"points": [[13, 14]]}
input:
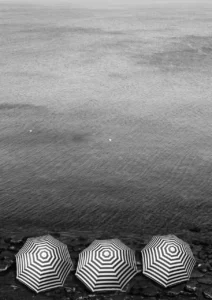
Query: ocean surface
{"points": [[106, 117]]}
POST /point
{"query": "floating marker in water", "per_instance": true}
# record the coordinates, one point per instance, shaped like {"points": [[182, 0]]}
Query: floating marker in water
{"points": [[110, 140]]}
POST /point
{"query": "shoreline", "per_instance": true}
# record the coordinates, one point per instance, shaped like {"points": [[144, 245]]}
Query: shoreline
{"points": [[140, 287]]}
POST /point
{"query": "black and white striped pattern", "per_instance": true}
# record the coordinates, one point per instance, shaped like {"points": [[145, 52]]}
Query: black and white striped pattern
{"points": [[106, 265], [43, 263], [168, 260]]}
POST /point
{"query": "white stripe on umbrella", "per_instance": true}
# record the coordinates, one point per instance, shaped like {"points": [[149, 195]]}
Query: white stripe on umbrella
{"points": [[168, 260], [43, 263], [106, 265]]}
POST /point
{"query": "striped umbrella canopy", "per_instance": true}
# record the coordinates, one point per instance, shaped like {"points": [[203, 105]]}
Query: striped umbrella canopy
{"points": [[106, 265], [43, 263], [167, 260]]}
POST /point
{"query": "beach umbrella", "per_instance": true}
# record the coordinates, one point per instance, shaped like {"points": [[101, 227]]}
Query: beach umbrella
{"points": [[167, 260], [43, 263], [106, 265]]}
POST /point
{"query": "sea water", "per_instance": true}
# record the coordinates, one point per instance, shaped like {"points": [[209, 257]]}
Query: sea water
{"points": [[106, 117]]}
